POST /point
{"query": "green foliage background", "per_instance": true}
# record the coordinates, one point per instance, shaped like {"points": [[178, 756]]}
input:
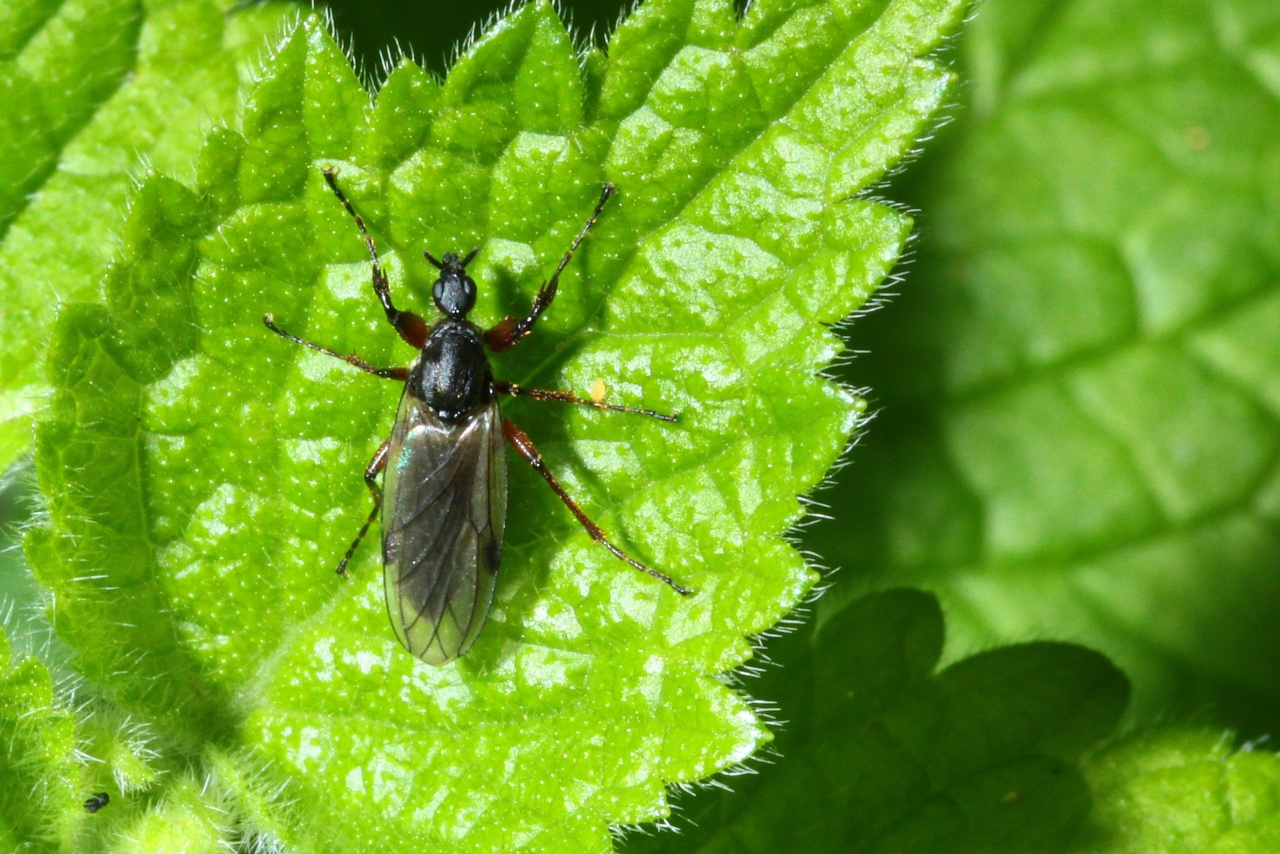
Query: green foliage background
{"points": [[1080, 385], [1078, 440]]}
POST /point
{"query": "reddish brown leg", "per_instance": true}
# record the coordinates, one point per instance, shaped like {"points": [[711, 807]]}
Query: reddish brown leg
{"points": [[509, 331], [567, 397], [376, 465], [400, 374], [412, 329], [524, 446]]}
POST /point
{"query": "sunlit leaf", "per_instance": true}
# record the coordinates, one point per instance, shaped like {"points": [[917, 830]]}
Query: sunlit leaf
{"points": [[203, 475], [90, 91]]}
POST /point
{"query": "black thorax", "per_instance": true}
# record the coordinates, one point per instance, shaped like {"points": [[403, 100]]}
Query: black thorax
{"points": [[452, 374]]}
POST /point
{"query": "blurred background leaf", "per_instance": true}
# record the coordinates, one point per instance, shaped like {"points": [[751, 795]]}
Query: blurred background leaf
{"points": [[1079, 386], [881, 754], [1179, 789]]}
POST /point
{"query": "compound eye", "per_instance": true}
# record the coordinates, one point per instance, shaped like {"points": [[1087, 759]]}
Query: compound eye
{"points": [[455, 294]]}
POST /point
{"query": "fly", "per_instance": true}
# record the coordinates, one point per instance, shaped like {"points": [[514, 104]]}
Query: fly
{"points": [[443, 497]]}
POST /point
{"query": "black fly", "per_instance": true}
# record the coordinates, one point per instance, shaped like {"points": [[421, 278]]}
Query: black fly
{"points": [[444, 492], [96, 802]]}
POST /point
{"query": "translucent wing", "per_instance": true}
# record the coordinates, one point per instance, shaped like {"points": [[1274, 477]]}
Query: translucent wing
{"points": [[443, 513]]}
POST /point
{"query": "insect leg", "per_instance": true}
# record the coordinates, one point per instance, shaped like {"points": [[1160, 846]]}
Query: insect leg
{"points": [[509, 331], [400, 374], [567, 397], [412, 329], [524, 446], [376, 465]]}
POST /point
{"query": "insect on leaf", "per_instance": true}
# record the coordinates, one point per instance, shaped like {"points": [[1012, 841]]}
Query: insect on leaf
{"points": [[203, 475]]}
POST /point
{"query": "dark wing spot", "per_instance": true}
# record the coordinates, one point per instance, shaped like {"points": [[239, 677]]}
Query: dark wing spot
{"points": [[492, 555]]}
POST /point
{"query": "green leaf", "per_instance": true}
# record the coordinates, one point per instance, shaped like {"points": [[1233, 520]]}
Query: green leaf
{"points": [[1176, 790], [881, 754], [38, 770], [54, 759], [1080, 385], [89, 91], [203, 476]]}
